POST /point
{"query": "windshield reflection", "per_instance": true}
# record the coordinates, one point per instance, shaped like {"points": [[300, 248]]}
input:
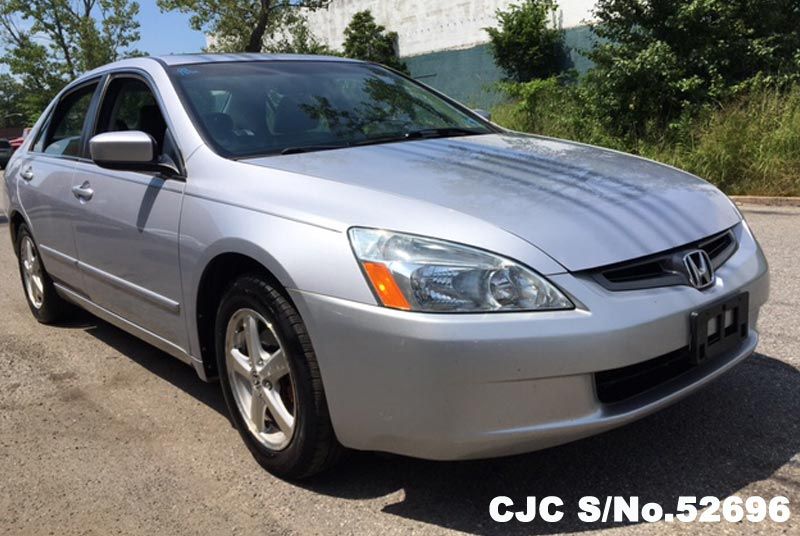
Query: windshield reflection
{"points": [[272, 107]]}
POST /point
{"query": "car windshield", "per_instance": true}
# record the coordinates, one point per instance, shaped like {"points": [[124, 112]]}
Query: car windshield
{"points": [[282, 107]]}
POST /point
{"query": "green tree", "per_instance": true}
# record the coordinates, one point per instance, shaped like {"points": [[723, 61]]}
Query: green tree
{"points": [[659, 60], [528, 42], [49, 42], [11, 93], [241, 25], [366, 40], [297, 38]]}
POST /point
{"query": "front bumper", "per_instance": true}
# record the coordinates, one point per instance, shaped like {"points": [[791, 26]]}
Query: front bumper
{"points": [[452, 387]]}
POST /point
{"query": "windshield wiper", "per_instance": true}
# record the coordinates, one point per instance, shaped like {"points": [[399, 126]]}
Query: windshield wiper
{"points": [[425, 133], [443, 132], [311, 148], [422, 134]]}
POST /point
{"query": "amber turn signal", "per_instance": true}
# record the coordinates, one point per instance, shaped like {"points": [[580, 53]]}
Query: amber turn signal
{"points": [[385, 286]]}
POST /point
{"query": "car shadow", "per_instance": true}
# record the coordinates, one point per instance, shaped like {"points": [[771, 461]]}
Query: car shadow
{"points": [[150, 358], [740, 429]]}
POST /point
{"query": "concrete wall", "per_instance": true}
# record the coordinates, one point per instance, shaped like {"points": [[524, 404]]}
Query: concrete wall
{"points": [[444, 42], [470, 75], [433, 25]]}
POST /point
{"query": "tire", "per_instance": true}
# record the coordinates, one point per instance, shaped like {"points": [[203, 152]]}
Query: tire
{"points": [[290, 387], [43, 300]]}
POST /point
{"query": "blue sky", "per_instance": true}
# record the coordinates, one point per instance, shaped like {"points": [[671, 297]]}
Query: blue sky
{"points": [[166, 33], [161, 33]]}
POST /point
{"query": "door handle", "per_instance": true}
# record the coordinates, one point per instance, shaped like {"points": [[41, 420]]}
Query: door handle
{"points": [[27, 174], [83, 192]]}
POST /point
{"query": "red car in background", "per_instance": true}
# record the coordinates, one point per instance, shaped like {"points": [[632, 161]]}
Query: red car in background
{"points": [[17, 142]]}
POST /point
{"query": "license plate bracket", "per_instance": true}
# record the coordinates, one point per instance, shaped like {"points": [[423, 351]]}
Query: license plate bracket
{"points": [[719, 328]]}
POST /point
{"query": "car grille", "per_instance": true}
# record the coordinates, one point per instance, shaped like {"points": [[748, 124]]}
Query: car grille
{"points": [[626, 382], [664, 269]]}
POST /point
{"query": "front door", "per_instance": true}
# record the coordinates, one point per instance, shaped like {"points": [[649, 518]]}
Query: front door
{"points": [[127, 234]]}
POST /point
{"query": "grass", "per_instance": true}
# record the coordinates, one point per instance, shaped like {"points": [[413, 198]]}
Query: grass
{"points": [[747, 147]]}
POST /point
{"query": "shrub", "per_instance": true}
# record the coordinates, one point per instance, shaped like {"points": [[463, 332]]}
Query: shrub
{"points": [[552, 108], [657, 61], [525, 45], [366, 40], [751, 145]]}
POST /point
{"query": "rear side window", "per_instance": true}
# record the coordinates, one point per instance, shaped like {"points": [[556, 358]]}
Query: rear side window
{"points": [[63, 135], [4, 144]]}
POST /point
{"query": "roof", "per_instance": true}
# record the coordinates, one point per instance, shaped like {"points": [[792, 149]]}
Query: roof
{"points": [[188, 59], [194, 59]]}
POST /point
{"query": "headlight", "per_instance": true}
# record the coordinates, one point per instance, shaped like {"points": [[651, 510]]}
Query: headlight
{"points": [[424, 274]]}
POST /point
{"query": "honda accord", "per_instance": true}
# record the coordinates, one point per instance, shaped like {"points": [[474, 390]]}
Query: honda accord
{"points": [[364, 263]]}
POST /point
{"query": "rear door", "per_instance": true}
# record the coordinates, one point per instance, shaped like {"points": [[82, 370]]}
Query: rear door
{"points": [[45, 180], [127, 232]]}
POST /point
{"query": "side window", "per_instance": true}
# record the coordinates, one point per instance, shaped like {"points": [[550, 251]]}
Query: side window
{"points": [[62, 136], [38, 144], [130, 105]]}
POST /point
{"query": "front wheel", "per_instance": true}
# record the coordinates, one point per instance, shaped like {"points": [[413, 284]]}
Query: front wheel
{"points": [[271, 380]]}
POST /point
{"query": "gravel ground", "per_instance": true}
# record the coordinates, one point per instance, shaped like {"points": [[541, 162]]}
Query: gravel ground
{"points": [[102, 434]]}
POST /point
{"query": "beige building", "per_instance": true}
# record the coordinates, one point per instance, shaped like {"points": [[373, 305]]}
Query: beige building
{"points": [[430, 26]]}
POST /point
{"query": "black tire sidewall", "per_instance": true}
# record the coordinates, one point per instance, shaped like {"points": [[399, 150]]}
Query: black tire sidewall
{"points": [[252, 293]]}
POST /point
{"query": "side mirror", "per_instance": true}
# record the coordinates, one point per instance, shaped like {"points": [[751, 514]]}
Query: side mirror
{"points": [[129, 150], [483, 113]]}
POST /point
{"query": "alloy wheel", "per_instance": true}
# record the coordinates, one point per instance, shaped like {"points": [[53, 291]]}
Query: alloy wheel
{"points": [[32, 273], [260, 378]]}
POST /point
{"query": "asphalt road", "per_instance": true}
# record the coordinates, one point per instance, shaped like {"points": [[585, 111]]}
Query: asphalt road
{"points": [[102, 434]]}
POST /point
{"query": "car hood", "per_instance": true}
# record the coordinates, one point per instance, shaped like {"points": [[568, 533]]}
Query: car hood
{"points": [[584, 206]]}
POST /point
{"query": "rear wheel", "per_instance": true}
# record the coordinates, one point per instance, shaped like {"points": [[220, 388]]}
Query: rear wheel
{"points": [[271, 380], [45, 303]]}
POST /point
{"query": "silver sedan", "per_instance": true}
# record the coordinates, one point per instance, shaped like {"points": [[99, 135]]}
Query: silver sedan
{"points": [[363, 263]]}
